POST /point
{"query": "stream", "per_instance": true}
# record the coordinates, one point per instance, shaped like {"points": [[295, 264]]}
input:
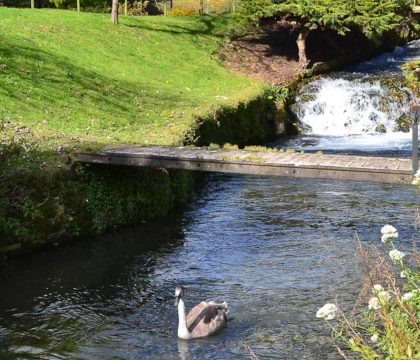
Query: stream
{"points": [[276, 249], [364, 108]]}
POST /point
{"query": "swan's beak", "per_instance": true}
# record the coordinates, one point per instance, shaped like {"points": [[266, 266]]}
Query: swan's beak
{"points": [[176, 300]]}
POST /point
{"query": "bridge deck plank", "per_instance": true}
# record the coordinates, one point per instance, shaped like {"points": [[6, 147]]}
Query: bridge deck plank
{"points": [[310, 165]]}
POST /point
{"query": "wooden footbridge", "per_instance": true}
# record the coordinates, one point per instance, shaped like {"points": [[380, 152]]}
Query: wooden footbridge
{"points": [[272, 163]]}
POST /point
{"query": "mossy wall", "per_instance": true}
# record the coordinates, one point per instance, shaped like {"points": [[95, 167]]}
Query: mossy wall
{"points": [[249, 123], [54, 204]]}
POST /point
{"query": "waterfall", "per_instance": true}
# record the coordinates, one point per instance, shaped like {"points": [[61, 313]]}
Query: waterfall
{"points": [[363, 108], [344, 106]]}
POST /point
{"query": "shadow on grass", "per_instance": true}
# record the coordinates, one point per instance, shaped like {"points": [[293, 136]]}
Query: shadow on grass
{"points": [[207, 26], [34, 79]]}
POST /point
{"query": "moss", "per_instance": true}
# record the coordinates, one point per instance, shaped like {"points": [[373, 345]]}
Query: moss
{"points": [[122, 195], [412, 75], [381, 128], [253, 122], [51, 202], [229, 146]]}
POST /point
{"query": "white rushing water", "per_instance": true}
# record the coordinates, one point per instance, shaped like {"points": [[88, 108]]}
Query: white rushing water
{"points": [[348, 107], [365, 108]]}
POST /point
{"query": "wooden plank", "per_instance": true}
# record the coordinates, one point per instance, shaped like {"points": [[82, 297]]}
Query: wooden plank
{"points": [[342, 167]]}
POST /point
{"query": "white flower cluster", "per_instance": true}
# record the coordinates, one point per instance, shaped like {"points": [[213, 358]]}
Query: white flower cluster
{"points": [[396, 255], [381, 297], [384, 296], [409, 295], [374, 303], [377, 287], [374, 338], [416, 179], [327, 312], [389, 233]]}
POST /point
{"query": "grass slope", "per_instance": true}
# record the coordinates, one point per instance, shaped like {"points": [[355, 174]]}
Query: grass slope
{"points": [[78, 79]]}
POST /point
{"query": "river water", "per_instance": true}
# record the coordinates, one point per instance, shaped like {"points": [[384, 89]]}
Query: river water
{"points": [[275, 249]]}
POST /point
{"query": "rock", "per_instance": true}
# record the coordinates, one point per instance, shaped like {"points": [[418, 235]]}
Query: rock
{"points": [[403, 123], [380, 128]]}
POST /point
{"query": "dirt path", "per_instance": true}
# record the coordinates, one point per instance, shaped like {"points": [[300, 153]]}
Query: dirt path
{"points": [[269, 55]]}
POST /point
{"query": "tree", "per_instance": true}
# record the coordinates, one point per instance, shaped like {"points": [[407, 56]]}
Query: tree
{"points": [[114, 11], [372, 17]]}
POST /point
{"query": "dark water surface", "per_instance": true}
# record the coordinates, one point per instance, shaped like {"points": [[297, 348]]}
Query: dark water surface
{"points": [[273, 248]]}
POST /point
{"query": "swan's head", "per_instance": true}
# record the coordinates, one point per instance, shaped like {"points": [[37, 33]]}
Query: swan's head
{"points": [[179, 293]]}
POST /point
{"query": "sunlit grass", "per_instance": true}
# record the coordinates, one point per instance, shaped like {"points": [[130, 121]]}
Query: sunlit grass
{"points": [[77, 78]]}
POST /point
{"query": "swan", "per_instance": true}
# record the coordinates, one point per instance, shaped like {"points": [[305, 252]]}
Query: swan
{"points": [[204, 319]]}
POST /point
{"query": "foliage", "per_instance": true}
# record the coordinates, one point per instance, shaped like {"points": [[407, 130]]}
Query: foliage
{"points": [[250, 122], [277, 93], [116, 196], [388, 326], [26, 3], [135, 8], [372, 17], [104, 5], [412, 75], [252, 11], [182, 12]]}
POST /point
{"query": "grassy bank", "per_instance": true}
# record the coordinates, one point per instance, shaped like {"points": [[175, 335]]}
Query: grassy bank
{"points": [[78, 79], [75, 81]]}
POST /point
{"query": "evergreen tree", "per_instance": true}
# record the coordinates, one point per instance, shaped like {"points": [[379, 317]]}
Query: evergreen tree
{"points": [[371, 17]]}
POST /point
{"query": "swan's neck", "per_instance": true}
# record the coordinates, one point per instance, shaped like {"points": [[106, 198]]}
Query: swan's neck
{"points": [[183, 332]]}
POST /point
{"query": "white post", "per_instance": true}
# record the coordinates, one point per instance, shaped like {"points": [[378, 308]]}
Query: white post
{"points": [[415, 117], [415, 148]]}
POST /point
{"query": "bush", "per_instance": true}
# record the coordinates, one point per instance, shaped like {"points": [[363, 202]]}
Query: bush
{"points": [[135, 8], [182, 12]]}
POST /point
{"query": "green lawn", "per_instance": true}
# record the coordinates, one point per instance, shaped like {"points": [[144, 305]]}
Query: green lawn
{"points": [[78, 79]]}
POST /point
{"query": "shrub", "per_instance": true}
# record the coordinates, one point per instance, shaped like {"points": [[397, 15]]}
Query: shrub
{"points": [[135, 8], [182, 12]]}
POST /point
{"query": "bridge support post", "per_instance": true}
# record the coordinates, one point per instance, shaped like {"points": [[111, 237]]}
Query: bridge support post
{"points": [[415, 115], [415, 148]]}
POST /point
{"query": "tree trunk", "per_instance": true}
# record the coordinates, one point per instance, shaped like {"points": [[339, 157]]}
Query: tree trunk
{"points": [[114, 11], [301, 44]]}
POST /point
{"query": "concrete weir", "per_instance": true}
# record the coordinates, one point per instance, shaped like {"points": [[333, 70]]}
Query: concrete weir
{"points": [[271, 163]]}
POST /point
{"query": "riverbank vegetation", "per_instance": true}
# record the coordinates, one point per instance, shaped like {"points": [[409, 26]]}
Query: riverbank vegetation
{"points": [[412, 75], [385, 323]]}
